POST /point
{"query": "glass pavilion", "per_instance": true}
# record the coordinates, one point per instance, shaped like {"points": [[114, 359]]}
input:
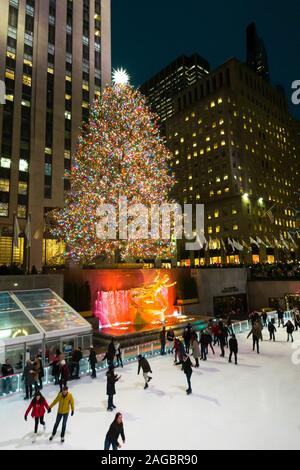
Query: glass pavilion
{"points": [[39, 321]]}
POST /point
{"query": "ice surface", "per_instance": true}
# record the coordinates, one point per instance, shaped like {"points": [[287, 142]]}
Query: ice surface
{"points": [[251, 406]]}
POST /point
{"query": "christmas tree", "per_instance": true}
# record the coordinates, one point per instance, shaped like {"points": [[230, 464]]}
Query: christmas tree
{"points": [[119, 154]]}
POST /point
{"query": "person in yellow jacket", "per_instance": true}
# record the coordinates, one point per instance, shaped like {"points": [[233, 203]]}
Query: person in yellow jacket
{"points": [[65, 402]]}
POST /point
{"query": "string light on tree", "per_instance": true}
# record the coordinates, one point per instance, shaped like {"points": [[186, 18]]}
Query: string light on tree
{"points": [[119, 154]]}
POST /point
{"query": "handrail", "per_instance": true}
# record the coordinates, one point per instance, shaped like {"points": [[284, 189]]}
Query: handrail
{"points": [[148, 349]]}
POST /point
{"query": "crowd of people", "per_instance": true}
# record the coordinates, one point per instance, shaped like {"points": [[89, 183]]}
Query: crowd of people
{"points": [[188, 349]]}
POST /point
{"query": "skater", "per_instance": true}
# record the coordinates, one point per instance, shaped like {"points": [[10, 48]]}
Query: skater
{"points": [[272, 329], [75, 366], [256, 335], [41, 373], [64, 374], [145, 366], [296, 316], [170, 338], [65, 402], [118, 354], [110, 354], [209, 341], [280, 317], [187, 369], [180, 352], [112, 378], [290, 330], [93, 361], [39, 406], [55, 366], [264, 318], [196, 351], [229, 324], [216, 333], [233, 346], [27, 378], [7, 372], [116, 429], [163, 341], [187, 339], [203, 343]]}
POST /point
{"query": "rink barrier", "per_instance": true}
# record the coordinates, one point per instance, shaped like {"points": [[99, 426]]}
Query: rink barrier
{"points": [[13, 384]]}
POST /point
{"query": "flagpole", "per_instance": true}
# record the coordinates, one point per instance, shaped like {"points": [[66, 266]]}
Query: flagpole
{"points": [[28, 242], [12, 242]]}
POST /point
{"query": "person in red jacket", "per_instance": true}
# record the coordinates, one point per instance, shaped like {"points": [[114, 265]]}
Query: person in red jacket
{"points": [[39, 406]]}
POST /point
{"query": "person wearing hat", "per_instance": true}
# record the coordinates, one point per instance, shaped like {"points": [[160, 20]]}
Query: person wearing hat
{"points": [[64, 374], [93, 361], [145, 366], [112, 378], [65, 402]]}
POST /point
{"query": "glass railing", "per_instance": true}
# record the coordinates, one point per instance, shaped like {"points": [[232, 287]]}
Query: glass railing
{"points": [[14, 384]]}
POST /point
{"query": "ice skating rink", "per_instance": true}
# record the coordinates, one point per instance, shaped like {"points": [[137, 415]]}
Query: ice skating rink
{"points": [[251, 406]]}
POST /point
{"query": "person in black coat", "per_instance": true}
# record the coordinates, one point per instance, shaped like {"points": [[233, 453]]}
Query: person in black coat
{"points": [[187, 369], [170, 338], [280, 313], [110, 354], [222, 339], [272, 330], [112, 378], [290, 330], [7, 372], [93, 361], [204, 344], [27, 378], [76, 358], [163, 341], [233, 346], [116, 429], [145, 366], [41, 370], [187, 339]]}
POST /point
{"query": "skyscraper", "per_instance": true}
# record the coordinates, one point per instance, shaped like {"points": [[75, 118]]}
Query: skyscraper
{"points": [[55, 56], [177, 76], [257, 57], [236, 150]]}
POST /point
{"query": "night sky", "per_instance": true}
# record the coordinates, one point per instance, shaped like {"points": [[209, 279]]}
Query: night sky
{"points": [[148, 34]]}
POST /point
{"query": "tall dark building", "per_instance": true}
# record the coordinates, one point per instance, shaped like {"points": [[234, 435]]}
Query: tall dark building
{"points": [[177, 76], [55, 57], [257, 57]]}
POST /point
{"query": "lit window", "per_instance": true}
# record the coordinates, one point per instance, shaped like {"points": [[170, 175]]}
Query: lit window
{"points": [[5, 162], [226, 190], [48, 169], [235, 228], [4, 185], [22, 212], [23, 165], [223, 143], [23, 188], [210, 230], [182, 140], [212, 104], [3, 209], [217, 214], [218, 229], [212, 193], [220, 101], [27, 80], [176, 152], [68, 115]]}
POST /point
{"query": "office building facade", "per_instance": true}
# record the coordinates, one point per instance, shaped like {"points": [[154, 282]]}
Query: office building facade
{"points": [[236, 150], [177, 76], [55, 57], [257, 57]]}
